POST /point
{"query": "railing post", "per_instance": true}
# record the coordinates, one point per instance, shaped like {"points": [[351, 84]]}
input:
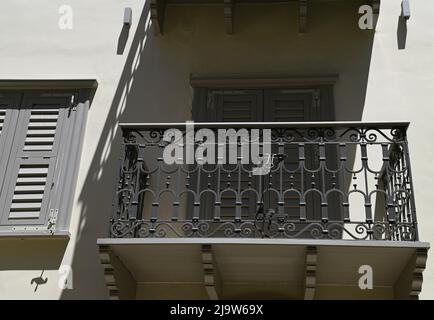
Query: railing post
{"points": [[410, 182], [116, 205], [322, 163], [301, 163], [136, 183]]}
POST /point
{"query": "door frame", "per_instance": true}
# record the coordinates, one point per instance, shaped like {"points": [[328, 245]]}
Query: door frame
{"points": [[202, 84], [321, 86]]}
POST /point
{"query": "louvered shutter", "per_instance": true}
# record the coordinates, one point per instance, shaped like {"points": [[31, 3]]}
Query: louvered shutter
{"points": [[8, 118], [29, 183], [229, 106], [238, 106], [292, 106], [272, 105]]}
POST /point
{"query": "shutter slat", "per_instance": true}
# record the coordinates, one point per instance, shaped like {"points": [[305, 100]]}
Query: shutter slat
{"points": [[37, 148], [18, 206], [30, 180], [24, 215], [39, 140], [33, 170], [36, 132], [43, 117], [45, 110], [42, 125], [28, 197], [29, 188]]}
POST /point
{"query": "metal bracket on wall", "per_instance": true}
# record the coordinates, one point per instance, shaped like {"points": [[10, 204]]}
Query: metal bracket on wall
{"points": [[405, 9], [128, 16]]}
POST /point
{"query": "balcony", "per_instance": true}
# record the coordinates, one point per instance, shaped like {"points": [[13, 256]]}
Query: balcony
{"points": [[321, 200], [311, 190]]}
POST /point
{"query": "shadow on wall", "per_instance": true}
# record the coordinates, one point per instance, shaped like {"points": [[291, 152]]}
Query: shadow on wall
{"points": [[123, 38], [134, 99], [401, 33], [94, 217]]}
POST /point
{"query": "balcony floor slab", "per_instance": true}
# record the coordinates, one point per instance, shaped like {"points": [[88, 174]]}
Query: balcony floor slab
{"points": [[261, 268]]}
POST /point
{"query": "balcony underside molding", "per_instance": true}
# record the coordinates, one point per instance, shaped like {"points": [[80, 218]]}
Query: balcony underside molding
{"points": [[262, 268], [212, 279], [255, 241], [114, 272], [311, 265], [158, 8], [105, 259], [421, 257], [409, 284]]}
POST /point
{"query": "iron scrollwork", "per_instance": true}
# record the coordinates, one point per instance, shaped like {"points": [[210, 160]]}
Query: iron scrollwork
{"points": [[310, 192]]}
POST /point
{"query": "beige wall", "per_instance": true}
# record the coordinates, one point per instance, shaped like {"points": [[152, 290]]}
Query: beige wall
{"points": [[400, 88], [150, 83]]}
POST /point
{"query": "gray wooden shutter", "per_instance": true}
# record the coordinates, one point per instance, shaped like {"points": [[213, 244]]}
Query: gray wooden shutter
{"points": [[8, 118], [29, 182], [288, 106], [291, 106], [224, 106], [238, 106], [272, 105], [304, 105]]}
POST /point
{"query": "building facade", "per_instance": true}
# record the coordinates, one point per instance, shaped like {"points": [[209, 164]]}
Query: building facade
{"points": [[90, 210]]}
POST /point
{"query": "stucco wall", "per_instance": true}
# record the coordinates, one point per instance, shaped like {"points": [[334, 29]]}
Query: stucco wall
{"points": [[149, 82], [400, 88]]}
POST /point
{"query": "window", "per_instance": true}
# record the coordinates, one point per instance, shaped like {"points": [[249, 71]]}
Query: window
{"points": [[40, 141]]}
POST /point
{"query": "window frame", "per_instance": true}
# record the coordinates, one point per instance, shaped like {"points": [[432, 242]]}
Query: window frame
{"points": [[69, 153]]}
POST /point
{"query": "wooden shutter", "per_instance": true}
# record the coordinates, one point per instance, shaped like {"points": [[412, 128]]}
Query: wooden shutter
{"points": [[229, 106], [29, 183], [296, 106], [238, 106], [292, 106], [272, 105], [8, 118]]}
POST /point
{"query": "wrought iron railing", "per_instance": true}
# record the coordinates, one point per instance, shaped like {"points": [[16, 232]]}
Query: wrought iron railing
{"points": [[334, 180]]}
